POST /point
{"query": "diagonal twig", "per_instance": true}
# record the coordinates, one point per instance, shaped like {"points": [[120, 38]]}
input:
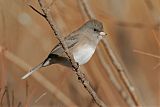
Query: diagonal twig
{"points": [[75, 65], [121, 71], [146, 53], [156, 66], [40, 97], [19, 104], [36, 10], [87, 11], [13, 98], [1, 101], [156, 38], [113, 78], [51, 4], [7, 96]]}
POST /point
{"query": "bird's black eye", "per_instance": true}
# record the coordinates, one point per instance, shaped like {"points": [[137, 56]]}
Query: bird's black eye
{"points": [[95, 29]]}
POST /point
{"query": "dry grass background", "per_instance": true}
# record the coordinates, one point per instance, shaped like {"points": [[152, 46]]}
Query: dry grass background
{"points": [[131, 25]]}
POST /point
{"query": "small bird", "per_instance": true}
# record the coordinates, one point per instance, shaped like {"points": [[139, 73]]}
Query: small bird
{"points": [[81, 43]]}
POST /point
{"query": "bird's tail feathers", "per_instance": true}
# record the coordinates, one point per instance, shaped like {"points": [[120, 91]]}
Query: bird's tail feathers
{"points": [[32, 71]]}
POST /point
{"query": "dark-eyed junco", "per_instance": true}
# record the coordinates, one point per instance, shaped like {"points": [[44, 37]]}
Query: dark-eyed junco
{"points": [[81, 43]]}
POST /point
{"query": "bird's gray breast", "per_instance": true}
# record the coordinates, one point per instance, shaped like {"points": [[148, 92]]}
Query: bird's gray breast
{"points": [[83, 53]]}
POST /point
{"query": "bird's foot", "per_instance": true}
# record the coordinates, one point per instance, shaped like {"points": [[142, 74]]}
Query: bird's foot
{"points": [[75, 66]]}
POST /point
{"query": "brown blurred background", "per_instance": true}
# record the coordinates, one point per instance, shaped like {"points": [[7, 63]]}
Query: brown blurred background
{"points": [[132, 27]]}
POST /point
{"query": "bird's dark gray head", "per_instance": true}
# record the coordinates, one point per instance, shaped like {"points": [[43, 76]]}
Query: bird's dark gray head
{"points": [[94, 28], [95, 25]]}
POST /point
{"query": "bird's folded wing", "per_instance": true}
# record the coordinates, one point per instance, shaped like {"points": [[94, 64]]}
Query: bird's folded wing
{"points": [[70, 41]]}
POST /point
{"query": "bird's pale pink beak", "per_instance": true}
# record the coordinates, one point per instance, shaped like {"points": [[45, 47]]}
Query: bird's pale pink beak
{"points": [[102, 33]]}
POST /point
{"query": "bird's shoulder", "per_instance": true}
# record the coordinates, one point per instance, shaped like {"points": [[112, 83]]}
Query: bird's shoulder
{"points": [[70, 40]]}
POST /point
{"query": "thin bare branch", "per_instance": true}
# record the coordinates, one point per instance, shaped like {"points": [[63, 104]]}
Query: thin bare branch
{"points": [[75, 65], [12, 98], [113, 79], [19, 104], [40, 97], [36, 10], [115, 62], [121, 71], [1, 102], [7, 96], [85, 9], [146, 53], [156, 66], [27, 89], [156, 38], [51, 4]]}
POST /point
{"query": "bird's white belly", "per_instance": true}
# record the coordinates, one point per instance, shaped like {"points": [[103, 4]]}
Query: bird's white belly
{"points": [[83, 54]]}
